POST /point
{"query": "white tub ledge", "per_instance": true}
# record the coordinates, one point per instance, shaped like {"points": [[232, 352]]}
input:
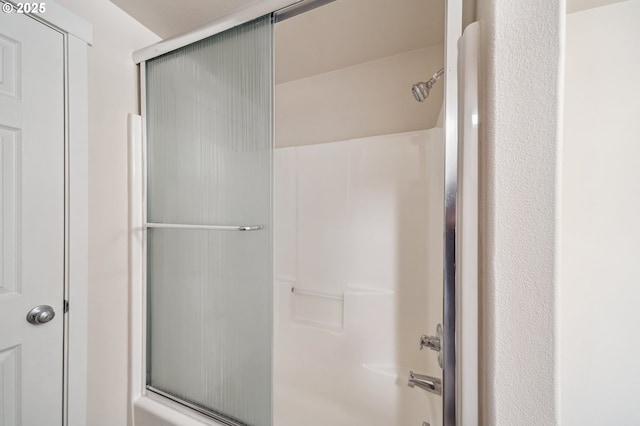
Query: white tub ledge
{"points": [[156, 411]]}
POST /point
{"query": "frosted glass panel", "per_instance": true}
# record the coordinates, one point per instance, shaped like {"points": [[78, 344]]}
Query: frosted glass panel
{"points": [[209, 109], [210, 320]]}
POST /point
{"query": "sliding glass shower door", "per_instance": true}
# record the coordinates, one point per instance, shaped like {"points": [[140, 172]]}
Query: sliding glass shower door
{"points": [[209, 233]]}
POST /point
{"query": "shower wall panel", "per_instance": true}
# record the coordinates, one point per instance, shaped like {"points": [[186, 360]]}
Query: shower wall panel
{"points": [[358, 273]]}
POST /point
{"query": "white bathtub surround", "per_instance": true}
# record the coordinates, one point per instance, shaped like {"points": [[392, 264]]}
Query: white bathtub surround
{"points": [[358, 234]]}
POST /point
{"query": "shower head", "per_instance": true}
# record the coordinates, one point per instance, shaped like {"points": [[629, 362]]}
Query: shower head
{"points": [[421, 90]]}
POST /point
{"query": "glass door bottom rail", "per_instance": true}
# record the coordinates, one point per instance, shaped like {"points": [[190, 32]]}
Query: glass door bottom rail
{"points": [[202, 410]]}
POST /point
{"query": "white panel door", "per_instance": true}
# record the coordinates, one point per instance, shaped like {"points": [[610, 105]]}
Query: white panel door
{"points": [[31, 220]]}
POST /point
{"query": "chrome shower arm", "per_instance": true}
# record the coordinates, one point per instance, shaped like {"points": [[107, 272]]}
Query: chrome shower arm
{"points": [[438, 74]]}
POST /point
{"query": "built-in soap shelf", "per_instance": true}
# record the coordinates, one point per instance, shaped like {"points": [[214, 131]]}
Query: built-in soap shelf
{"points": [[360, 290], [312, 308], [318, 309], [322, 310]]}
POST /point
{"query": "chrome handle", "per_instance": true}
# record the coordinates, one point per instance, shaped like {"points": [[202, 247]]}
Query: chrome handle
{"points": [[204, 227], [41, 314], [428, 383], [433, 342]]}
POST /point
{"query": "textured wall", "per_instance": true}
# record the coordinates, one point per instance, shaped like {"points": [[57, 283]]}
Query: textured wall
{"points": [[113, 88], [521, 49], [600, 209]]}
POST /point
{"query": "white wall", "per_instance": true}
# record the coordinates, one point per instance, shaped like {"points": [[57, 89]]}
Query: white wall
{"points": [[521, 50], [600, 280], [113, 89], [368, 99], [578, 5]]}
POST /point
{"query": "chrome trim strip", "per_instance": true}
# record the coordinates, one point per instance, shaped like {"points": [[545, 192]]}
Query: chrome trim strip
{"points": [[145, 361], [209, 413], [204, 227], [453, 25], [297, 9]]}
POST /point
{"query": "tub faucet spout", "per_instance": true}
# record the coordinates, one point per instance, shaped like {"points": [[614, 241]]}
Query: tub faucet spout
{"points": [[428, 383]]}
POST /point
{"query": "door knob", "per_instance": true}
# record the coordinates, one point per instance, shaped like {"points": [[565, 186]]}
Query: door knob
{"points": [[41, 314]]}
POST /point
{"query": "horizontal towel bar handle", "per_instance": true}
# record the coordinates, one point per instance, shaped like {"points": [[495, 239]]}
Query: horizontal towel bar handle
{"points": [[204, 227]]}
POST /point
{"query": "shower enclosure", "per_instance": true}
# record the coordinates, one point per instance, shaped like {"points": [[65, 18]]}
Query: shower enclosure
{"points": [[280, 279]]}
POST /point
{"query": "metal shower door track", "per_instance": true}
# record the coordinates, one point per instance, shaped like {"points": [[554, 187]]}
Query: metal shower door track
{"points": [[282, 9], [453, 29]]}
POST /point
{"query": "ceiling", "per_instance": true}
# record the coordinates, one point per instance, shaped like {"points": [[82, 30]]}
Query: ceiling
{"points": [[350, 32], [168, 18], [338, 35]]}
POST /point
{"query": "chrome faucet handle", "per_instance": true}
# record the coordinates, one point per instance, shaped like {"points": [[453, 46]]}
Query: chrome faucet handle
{"points": [[433, 342]]}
